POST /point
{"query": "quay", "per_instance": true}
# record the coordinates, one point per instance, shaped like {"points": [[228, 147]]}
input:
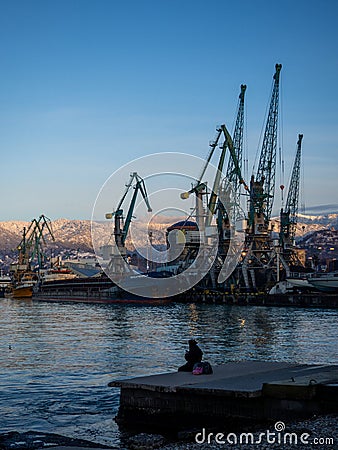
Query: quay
{"points": [[304, 300], [250, 391]]}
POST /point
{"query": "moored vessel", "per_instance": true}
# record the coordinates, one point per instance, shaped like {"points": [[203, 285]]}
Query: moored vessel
{"points": [[24, 290], [326, 282], [5, 284], [24, 274], [99, 289]]}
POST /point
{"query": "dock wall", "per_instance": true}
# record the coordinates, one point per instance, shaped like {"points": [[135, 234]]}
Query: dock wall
{"points": [[307, 300], [237, 393]]}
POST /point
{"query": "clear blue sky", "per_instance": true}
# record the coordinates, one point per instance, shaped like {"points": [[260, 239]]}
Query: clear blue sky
{"points": [[87, 86]]}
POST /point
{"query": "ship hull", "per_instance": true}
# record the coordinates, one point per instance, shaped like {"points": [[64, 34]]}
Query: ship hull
{"points": [[299, 282], [326, 282], [90, 290], [102, 300], [22, 292], [325, 285]]}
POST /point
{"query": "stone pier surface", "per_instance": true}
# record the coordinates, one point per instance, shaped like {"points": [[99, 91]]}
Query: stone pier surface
{"points": [[250, 390]]}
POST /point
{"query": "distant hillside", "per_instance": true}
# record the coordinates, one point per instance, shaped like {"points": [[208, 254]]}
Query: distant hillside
{"points": [[75, 235], [67, 233], [311, 223], [321, 245], [327, 220]]}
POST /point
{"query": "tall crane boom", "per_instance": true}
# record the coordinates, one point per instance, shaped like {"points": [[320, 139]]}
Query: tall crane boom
{"points": [[231, 173], [263, 188], [199, 185], [260, 259], [288, 217], [228, 143]]}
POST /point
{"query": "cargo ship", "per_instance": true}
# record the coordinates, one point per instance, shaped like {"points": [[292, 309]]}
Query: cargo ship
{"points": [[96, 289]]}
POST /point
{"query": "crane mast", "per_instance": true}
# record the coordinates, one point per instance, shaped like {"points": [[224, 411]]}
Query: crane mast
{"points": [[262, 188], [288, 216], [262, 261], [232, 172], [231, 184]]}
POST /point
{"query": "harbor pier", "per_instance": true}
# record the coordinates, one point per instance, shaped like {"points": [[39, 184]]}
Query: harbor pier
{"points": [[303, 300], [237, 392]]}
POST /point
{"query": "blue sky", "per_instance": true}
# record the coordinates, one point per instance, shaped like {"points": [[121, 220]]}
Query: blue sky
{"points": [[87, 86]]}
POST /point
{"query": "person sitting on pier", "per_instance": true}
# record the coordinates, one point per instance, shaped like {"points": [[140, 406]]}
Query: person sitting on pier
{"points": [[192, 356]]}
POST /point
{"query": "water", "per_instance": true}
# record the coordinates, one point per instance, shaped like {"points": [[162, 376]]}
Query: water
{"points": [[56, 359]]}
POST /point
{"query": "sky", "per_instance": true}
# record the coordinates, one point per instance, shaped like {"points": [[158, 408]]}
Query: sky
{"points": [[87, 86]]}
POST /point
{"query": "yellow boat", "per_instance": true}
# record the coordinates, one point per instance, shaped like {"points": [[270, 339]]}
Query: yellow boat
{"points": [[24, 288], [23, 291]]}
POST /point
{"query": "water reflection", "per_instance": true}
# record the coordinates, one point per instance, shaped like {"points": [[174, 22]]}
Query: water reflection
{"points": [[57, 359]]}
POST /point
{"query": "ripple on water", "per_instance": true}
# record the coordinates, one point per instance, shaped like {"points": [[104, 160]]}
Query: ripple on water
{"points": [[57, 359]]}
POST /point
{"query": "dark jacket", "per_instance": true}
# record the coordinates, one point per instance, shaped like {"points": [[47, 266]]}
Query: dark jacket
{"points": [[194, 354]]}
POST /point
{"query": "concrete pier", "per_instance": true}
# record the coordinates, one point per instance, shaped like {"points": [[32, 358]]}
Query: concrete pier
{"points": [[303, 300], [250, 390]]}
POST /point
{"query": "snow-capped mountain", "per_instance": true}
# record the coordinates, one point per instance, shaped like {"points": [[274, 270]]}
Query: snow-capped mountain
{"points": [[310, 223], [328, 220], [75, 235]]}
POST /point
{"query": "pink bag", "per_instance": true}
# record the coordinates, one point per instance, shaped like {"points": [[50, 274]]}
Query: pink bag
{"points": [[197, 371]]}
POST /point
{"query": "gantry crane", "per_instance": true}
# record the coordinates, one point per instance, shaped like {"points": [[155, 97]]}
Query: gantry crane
{"points": [[288, 215], [260, 256], [121, 225]]}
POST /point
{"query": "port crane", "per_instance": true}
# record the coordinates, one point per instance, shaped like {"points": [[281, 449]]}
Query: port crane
{"points": [[259, 259], [232, 171], [200, 187], [121, 224], [262, 188], [231, 185], [30, 248], [204, 219], [288, 215]]}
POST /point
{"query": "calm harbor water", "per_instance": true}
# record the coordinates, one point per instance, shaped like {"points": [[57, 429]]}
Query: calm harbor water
{"points": [[56, 359]]}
